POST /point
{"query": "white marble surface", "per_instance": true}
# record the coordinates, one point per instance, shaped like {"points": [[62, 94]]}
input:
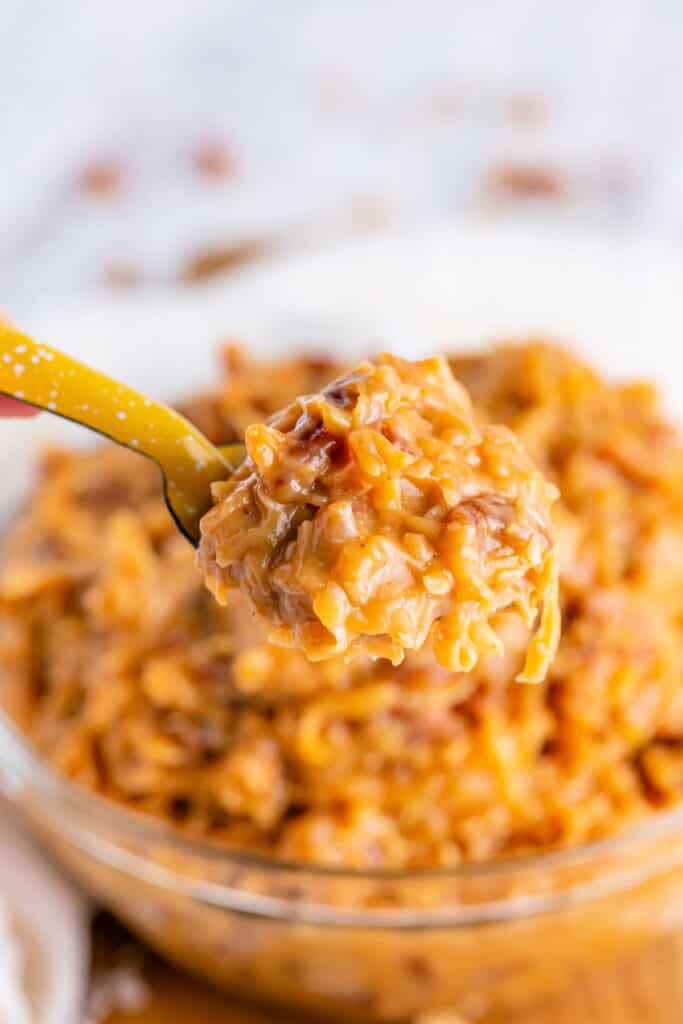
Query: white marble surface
{"points": [[324, 103]]}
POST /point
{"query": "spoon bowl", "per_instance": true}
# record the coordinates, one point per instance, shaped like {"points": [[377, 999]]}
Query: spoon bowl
{"points": [[189, 463]]}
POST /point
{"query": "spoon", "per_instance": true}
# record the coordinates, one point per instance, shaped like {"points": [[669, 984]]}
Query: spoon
{"points": [[48, 379]]}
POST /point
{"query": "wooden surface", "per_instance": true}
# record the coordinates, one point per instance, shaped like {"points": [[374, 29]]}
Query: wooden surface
{"points": [[646, 991]]}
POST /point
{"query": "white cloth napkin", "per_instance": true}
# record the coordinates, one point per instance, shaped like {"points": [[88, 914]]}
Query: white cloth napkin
{"points": [[43, 934]]}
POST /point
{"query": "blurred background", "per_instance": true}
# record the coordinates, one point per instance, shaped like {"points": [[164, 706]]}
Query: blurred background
{"points": [[155, 145]]}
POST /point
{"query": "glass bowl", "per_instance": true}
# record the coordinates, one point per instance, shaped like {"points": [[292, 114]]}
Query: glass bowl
{"points": [[483, 940]]}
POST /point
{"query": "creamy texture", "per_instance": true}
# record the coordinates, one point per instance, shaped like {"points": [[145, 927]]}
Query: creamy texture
{"points": [[377, 516], [129, 678]]}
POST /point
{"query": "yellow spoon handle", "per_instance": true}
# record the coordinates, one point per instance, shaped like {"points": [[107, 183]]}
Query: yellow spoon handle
{"points": [[53, 381]]}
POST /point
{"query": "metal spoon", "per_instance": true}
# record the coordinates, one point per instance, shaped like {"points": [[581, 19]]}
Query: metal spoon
{"points": [[48, 379]]}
